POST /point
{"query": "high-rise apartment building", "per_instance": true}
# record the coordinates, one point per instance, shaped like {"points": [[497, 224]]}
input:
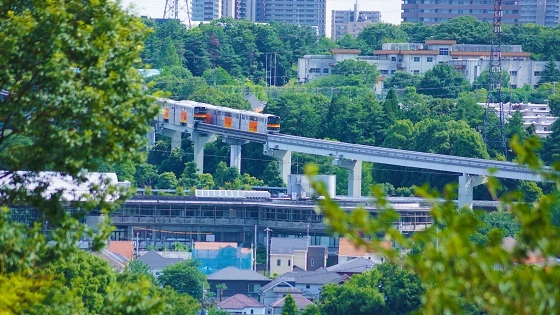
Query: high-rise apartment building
{"points": [[352, 21], [541, 12], [314, 13], [437, 11], [206, 10]]}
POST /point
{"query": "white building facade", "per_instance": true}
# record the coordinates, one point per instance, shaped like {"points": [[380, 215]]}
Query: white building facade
{"points": [[418, 58], [537, 115]]}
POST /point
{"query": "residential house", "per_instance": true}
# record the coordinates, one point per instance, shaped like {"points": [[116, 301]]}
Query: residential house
{"points": [[306, 283], [316, 257], [287, 252], [156, 262], [301, 303], [353, 266], [241, 304], [117, 261], [237, 281], [124, 248], [348, 251]]}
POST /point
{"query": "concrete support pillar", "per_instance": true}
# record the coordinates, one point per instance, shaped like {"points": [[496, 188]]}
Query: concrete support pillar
{"points": [[284, 161], [175, 136], [354, 168], [200, 139], [151, 137], [466, 184], [235, 152]]}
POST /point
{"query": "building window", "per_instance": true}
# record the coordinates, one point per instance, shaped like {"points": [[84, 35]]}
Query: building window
{"points": [[444, 51], [514, 86], [307, 286], [513, 73], [384, 71], [393, 71], [314, 70], [416, 59], [393, 58], [537, 73], [430, 59], [312, 262], [326, 70], [416, 71], [278, 262], [254, 287], [289, 262]]}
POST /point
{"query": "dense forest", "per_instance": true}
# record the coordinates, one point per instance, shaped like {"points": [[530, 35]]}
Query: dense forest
{"points": [[220, 62]]}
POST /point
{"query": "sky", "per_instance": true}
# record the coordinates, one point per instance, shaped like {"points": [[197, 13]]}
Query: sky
{"points": [[390, 9]]}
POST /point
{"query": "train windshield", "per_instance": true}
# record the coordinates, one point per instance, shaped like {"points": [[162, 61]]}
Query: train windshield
{"points": [[275, 120], [200, 110]]}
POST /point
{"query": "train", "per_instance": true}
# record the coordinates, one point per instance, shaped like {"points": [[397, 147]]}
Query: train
{"points": [[188, 113]]}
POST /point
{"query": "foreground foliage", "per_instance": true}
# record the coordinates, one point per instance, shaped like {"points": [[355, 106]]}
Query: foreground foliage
{"points": [[455, 266]]}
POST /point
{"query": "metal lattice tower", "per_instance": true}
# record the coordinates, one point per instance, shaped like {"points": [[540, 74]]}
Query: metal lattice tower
{"points": [[492, 138], [174, 7]]}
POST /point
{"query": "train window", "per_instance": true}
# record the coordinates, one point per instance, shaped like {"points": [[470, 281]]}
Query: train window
{"points": [[227, 114], [237, 116]]}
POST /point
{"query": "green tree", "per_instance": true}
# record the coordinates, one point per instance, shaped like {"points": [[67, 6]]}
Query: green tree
{"points": [[375, 35], [443, 81], [483, 80], [290, 307], [457, 270], [391, 105], [184, 278], [169, 56], [189, 178], [206, 181], [311, 309], [464, 29], [551, 73], [74, 102], [402, 79], [167, 180], [360, 295], [367, 73], [271, 175]]}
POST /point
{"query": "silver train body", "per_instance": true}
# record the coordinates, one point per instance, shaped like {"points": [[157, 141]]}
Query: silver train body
{"points": [[187, 113]]}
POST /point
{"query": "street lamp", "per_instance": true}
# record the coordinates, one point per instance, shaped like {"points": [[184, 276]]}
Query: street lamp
{"points": [[267, 230]]}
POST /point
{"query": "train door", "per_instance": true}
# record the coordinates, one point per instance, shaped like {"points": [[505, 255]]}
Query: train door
{"points": [[253, 123]]}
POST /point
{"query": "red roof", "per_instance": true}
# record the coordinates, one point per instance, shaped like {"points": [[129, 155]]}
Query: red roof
{"points": [[239, 301], [124, 248]]}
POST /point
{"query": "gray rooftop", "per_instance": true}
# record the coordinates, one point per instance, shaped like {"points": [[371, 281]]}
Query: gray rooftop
{"points": [[356, 265], [279, 245], [155, 261], [233, 273], [320, 276]]}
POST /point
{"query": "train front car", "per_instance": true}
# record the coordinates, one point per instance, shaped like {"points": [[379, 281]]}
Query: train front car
{"points": [[272, 123]]}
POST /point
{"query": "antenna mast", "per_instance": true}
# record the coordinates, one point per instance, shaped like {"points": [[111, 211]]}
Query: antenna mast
{"points": [[495, 139], [174, 7]]}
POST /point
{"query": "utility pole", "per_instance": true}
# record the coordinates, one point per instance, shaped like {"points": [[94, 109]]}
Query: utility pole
{"points": [[266, 268]]}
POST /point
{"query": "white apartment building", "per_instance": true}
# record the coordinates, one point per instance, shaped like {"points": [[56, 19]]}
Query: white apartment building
{"points": [[533, 114], [418, 58]]}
